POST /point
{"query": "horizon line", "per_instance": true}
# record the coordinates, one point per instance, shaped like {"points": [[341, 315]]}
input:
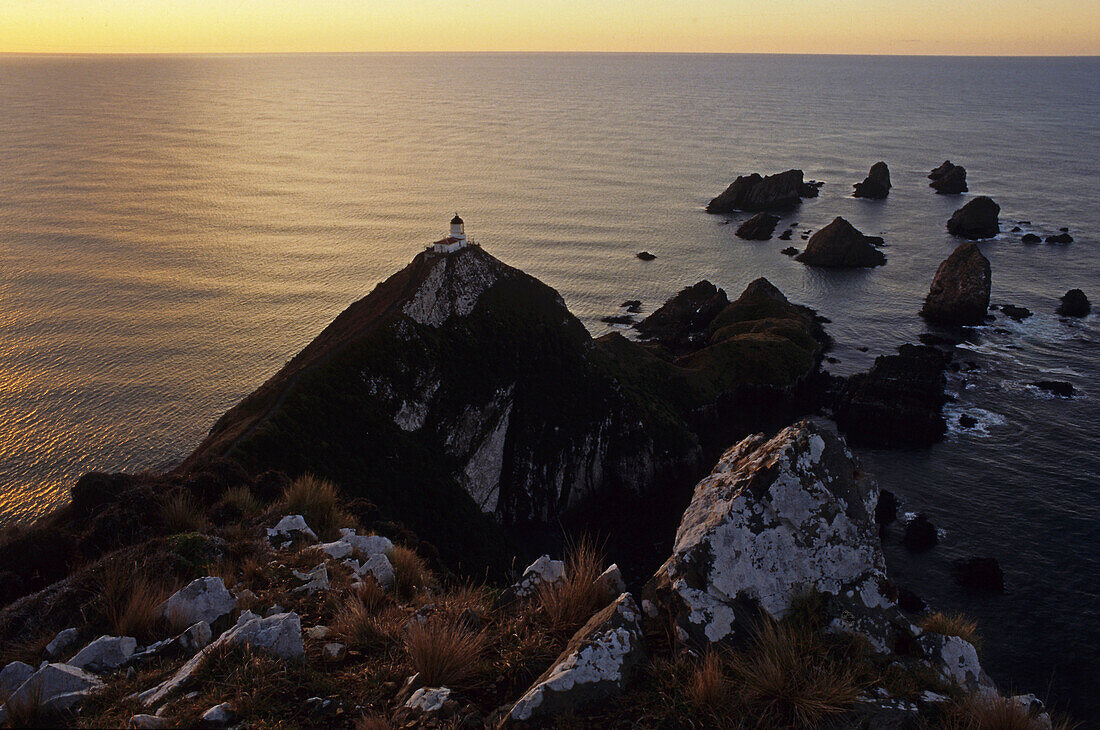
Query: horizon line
{"points": [[540, 52]]}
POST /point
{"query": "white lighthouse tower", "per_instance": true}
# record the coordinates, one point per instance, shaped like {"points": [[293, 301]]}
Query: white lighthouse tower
{"points": [[455, 240]]}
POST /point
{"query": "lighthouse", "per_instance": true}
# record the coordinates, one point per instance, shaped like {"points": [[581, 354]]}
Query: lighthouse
{"points": [[454, 240]]}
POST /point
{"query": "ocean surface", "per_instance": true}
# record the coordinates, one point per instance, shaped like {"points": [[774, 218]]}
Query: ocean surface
{"points": [[173, 229]]}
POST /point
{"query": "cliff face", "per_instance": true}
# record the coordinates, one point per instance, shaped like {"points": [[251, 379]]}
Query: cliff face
{"points": [[459, 384]]}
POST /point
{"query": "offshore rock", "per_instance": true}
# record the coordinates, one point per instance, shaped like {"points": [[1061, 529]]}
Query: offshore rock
{"points": [[948, 179], [778, 519], [983, 574], [920, 534], [758, 228], [841, 245], [877, 183], [754, 192], [976, 220], [1074, 304], [683, 321], [959, 294], [899, 402], [598, 663]]}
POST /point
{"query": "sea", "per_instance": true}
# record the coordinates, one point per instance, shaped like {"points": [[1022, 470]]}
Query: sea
{"points": [[174, 228]]}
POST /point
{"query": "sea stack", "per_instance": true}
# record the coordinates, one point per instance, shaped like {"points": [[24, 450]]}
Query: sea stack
{"points": [[959, 294], [755, 192], [840, 246], [977, 219], [758, 228], [948, 179], [876, 185]]}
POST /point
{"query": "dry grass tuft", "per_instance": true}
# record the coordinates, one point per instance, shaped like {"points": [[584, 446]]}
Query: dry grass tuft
{"points": [[366, 628], [569, 603], [179, 514], [370, 594], [444, 651], [317, 500], [786, 677], [975, 712], [709, 688], [128, 600], [241, 499], [372, 722], [952, 624], [410, 572]]}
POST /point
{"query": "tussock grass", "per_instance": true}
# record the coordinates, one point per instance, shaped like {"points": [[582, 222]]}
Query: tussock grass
{"points": [[975, 712], [569, 603], [786, 677], [365, 628], [370, 594], [444, 651], [128, 600], [242, 500], [318, 501], [179, 513], [709, 687], [410, 571], [952, 624]]}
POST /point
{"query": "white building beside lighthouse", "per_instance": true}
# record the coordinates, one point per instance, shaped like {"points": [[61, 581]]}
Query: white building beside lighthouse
{"points": [[455, 240]]}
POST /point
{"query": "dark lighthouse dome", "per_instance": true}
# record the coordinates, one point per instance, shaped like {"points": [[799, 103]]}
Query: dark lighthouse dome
{"points": [[456, 220]]}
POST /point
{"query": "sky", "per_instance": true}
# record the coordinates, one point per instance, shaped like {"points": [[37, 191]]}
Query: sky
{"points": [[936, 27]]}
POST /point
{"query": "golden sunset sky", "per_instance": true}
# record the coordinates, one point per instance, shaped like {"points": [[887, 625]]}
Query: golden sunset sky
{"points": [[949, 27]]}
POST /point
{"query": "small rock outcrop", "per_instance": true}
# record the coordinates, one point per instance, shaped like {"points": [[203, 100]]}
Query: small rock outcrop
{"points": [[598, 662], [55, 688], [959, 294], [775, 520], [62, 642], [543, 571], [1060, 388], [948, 179], [289, 529], [920, 534], [758, 228], [1016, 313], [1074, 304], [1061, 238], [683, 322], [645, 256], [982, 574], [1031, 238], [976, 220], [13, 675], [755, 192], [203, 599], [841, 245], [104, 654], [898, 402], [876, 185]]}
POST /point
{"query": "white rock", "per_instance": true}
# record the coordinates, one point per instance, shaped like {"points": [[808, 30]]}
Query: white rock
{"points": [[333, 652], [247, 616], [60, 643], [288, 529], [55, 688], [597, 663], [203, 599], [957, 661], [319, 633], [315, 580], [220, 715], [367, 545], [337, 550], [147, 722], [279, 635], [777, 519], [428, 699], [104, 654], [611, 580], [543, 570], [379, 567], [13, 675]]}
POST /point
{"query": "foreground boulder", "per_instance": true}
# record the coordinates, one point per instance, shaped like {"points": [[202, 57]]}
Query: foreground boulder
{"points": [[758, 228], [959, 294], [841, 245], [104, 654], [55, 688], [975, 220], [877, 183], [1074, 304], [598, 662], [754, 192], [203, 599], [683, 322], [899, 402], [776, 520], [948, 179]]}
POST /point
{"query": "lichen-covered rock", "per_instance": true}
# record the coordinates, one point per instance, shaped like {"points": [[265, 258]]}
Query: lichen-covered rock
{"points": [[13, 675], [840, 245], [315, 580], [428, 699], [62, 642], [55, 688], [977, 219], [598, 663], [775, 520], [203, 599], [289, 529], [367, 545], [104, 654], [957, 661], [959, 294], [279, 635], [876, 185], [189, 641], [543, 570]]}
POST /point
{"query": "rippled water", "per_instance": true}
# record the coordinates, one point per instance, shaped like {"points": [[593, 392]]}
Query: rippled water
{"points": [[172, 229]]}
